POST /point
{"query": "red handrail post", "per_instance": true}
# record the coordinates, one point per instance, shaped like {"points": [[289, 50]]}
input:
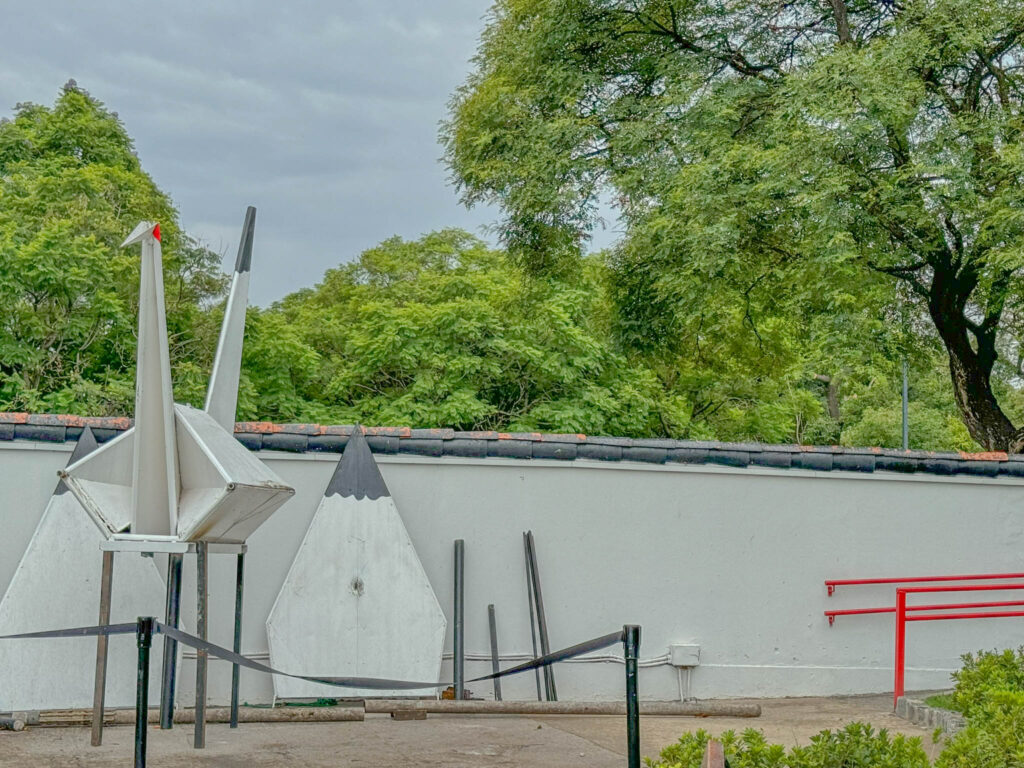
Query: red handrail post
{"points": [[901, 644]]}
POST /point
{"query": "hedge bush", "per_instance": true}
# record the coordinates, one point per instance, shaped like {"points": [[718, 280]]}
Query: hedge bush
{"points": [[856, 746], [994, 737], [985, 673]]}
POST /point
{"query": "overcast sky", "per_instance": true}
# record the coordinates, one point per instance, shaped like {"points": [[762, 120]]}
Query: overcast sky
{"points": [[323, 115]]}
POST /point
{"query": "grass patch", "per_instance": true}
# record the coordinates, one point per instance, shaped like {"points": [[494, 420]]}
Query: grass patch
{"points": [[942, 701]]}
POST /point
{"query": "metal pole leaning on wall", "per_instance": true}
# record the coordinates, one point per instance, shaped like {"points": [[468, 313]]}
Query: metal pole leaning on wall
{"points": [[533, 611], [99, 692], [144, 640], [542, 623], [237, 647], [459, 640], [495, 665], [172, 618], [631, 651], [202, 595]]}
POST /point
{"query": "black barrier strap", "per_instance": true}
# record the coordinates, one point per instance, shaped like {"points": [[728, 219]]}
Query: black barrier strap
{"points": [[371, 683], [100, 629], [374, 683], [237, 658], [612, 638]]}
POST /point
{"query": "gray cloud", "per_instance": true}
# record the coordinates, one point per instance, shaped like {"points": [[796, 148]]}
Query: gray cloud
{"points": [[322, 114]]}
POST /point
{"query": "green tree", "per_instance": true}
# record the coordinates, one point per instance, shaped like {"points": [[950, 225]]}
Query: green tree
{"points": [[443, 331], [770, 161], [71, 187]]}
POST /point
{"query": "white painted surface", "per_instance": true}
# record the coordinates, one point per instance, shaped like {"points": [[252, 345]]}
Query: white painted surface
{"points": [[226, 492], [222, 395], [154, 471], [356, 603], [730, 559], [57, 585]]}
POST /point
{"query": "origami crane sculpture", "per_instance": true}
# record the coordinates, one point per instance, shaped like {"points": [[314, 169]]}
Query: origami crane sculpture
{"points": [[179, 472], [178, 477]]}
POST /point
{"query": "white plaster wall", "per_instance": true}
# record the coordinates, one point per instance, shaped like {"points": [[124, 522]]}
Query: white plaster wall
{"points": [[731, 559]]}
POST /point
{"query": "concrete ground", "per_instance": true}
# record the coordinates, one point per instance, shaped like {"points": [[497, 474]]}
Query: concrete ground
{"points": [[440, 740]]}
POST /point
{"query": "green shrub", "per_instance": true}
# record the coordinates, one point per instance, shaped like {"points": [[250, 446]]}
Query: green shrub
{"points": [[859, 746], [984, 673], [994, 737], [855, 746]]}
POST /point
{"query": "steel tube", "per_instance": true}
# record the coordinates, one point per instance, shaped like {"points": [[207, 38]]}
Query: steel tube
{"points": [[459, 641], [906, 403], [202, 595], [144, 639], [172, 619], [901, 645], [542, 624], [533, 610], [99, 693], [915, 608], [831, 584], [495, 666], [631, 651], [237, 647]]}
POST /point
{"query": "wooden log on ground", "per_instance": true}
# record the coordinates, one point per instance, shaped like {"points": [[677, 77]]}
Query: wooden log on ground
{"points": [[352, 713], [482, 707]]}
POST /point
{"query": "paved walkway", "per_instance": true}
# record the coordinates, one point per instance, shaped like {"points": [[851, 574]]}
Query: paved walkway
{"points": [[449, 740]]}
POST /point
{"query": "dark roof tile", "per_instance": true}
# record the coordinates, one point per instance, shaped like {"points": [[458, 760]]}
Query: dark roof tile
{"points": [[525, 445]]}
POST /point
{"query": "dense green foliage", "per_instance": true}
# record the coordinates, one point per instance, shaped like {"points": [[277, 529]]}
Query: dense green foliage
{"points": [[855, 746], [994, 737], [71, 188], [443, 331], [440, 331], [806, 188], [982, 674]]}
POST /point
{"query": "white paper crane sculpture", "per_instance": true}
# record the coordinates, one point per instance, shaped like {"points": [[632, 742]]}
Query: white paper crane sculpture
{"points": [[178, 473]]}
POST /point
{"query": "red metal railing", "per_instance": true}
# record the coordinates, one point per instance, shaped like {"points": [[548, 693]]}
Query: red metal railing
{"points": [[892, 608], [831, 584], [905, 614]]}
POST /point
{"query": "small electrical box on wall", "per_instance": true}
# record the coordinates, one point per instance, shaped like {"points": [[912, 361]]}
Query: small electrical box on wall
{"points": [[684, 655]]}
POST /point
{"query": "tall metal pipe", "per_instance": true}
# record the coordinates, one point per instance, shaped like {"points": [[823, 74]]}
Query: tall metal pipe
{"points": [[144, 640], [533, 611], [171, 619], [631, 651], [906, 408], [459, 649], [99, 692], [202, 595], [495, 665], [237, 647], [542, 623]]}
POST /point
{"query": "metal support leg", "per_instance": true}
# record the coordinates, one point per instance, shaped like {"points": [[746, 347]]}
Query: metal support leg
{"points": [[100, 683], [202, 595], [631, 650], [144, 639], [172, 617], [235, 669], [495, 665], [459, 644]]}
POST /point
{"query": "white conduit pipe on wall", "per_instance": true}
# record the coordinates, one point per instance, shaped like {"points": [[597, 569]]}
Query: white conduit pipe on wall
{"points": [[654, 661], [608, 658]]}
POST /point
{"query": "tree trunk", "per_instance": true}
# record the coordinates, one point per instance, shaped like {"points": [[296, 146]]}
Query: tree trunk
{"points": [[978, 406], [970, 368], [831, 395]]}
